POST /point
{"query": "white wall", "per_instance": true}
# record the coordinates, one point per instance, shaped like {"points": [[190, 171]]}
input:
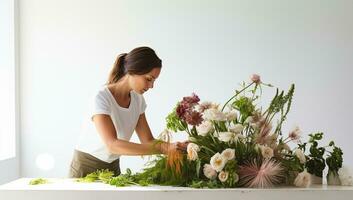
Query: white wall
{"points": [[207, 47], [9, 108]]}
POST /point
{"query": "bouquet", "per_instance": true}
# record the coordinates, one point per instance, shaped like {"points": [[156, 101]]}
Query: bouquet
{"points": [[240, 144]]}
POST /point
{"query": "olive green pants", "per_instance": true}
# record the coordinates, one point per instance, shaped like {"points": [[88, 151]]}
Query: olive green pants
{"points": [[84, 163]]}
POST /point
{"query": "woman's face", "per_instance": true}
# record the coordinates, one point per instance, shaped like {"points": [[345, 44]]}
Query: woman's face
{"points": [[142, 83]]}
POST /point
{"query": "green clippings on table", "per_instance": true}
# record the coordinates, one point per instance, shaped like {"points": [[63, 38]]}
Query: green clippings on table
{"points": [[38, 181], [99, 175]]}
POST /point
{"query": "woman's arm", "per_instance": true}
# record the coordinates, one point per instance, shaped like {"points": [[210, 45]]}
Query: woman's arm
{"points": [[143, 130], [106, 129]]}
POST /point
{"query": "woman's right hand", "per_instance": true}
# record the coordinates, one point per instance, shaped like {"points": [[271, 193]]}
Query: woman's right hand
{"points": [[167, 147], [176, 146]]}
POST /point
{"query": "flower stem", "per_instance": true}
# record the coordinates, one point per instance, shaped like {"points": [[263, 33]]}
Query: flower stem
{"points": [[236, 94]]}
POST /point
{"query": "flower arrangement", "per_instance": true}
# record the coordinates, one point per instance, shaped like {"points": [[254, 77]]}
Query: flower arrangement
{"points": [[240, 145]]}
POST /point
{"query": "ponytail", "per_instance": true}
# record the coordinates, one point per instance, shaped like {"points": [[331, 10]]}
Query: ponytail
{"points": [[118, 70], [140, 60]]}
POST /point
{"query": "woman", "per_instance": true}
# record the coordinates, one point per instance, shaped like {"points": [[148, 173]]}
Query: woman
{"points": [[118, 111]]}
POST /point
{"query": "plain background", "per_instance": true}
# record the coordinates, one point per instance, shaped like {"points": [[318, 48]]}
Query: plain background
{"points": [[67, 48]]}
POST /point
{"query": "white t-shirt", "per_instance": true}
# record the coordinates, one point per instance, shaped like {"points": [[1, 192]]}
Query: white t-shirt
{"points": [[124, 120]]}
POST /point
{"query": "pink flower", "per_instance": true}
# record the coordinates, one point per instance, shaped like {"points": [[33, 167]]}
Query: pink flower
{"points": [[185, 109], [265, 129], [255, 78], [181, 110], [260, 174], [193, 118], [295, 134], [206, 105], [191, 100], [209, 172]]}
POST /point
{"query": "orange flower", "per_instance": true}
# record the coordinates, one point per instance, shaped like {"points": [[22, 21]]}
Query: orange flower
{"points": [[175, 160]]}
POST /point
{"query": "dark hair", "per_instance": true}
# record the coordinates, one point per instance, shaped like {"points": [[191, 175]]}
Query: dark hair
{"points": [[140, 60]]}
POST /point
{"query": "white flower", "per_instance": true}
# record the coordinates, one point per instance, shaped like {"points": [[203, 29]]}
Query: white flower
{"points": [[228, 154], [231, 115], [204, 128], [225, 136], [209, 172], [193, 147], [345, 176], [303, 179], [214, 114], [236, 128], [300, 154], [217, 162], [223, 176], [229, 137], [192, 150], [266, 152], [249, 120], [295, 134]]}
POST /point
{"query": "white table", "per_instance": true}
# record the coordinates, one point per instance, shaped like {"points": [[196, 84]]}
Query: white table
{"points": [[67, 189]]}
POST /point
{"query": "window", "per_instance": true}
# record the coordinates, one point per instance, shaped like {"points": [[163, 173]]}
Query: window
{"points": [[7, 80]]}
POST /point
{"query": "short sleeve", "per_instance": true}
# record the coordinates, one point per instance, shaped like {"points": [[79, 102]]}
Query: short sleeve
{"points": [[143, 105], [100, 105]]}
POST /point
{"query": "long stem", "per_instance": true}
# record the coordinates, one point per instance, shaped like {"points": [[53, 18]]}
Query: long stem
{"points": [[187, 130], [236, 94], [208, 149]]}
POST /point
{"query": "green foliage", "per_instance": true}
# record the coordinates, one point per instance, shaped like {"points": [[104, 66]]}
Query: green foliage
{"points": [[245, 107], [100, 175], [280, 103], [205, 184], [231, 167], [315, 166], [105, 175], [38, 181], [291, 165], [160, 173], [123, 180], [245, 152], [316, 163], [89, 178], [285, 107], [174, 123], [335, 158]]}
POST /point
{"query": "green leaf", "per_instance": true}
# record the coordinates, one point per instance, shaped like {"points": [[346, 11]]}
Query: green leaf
{"points": [[198, 167]]}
